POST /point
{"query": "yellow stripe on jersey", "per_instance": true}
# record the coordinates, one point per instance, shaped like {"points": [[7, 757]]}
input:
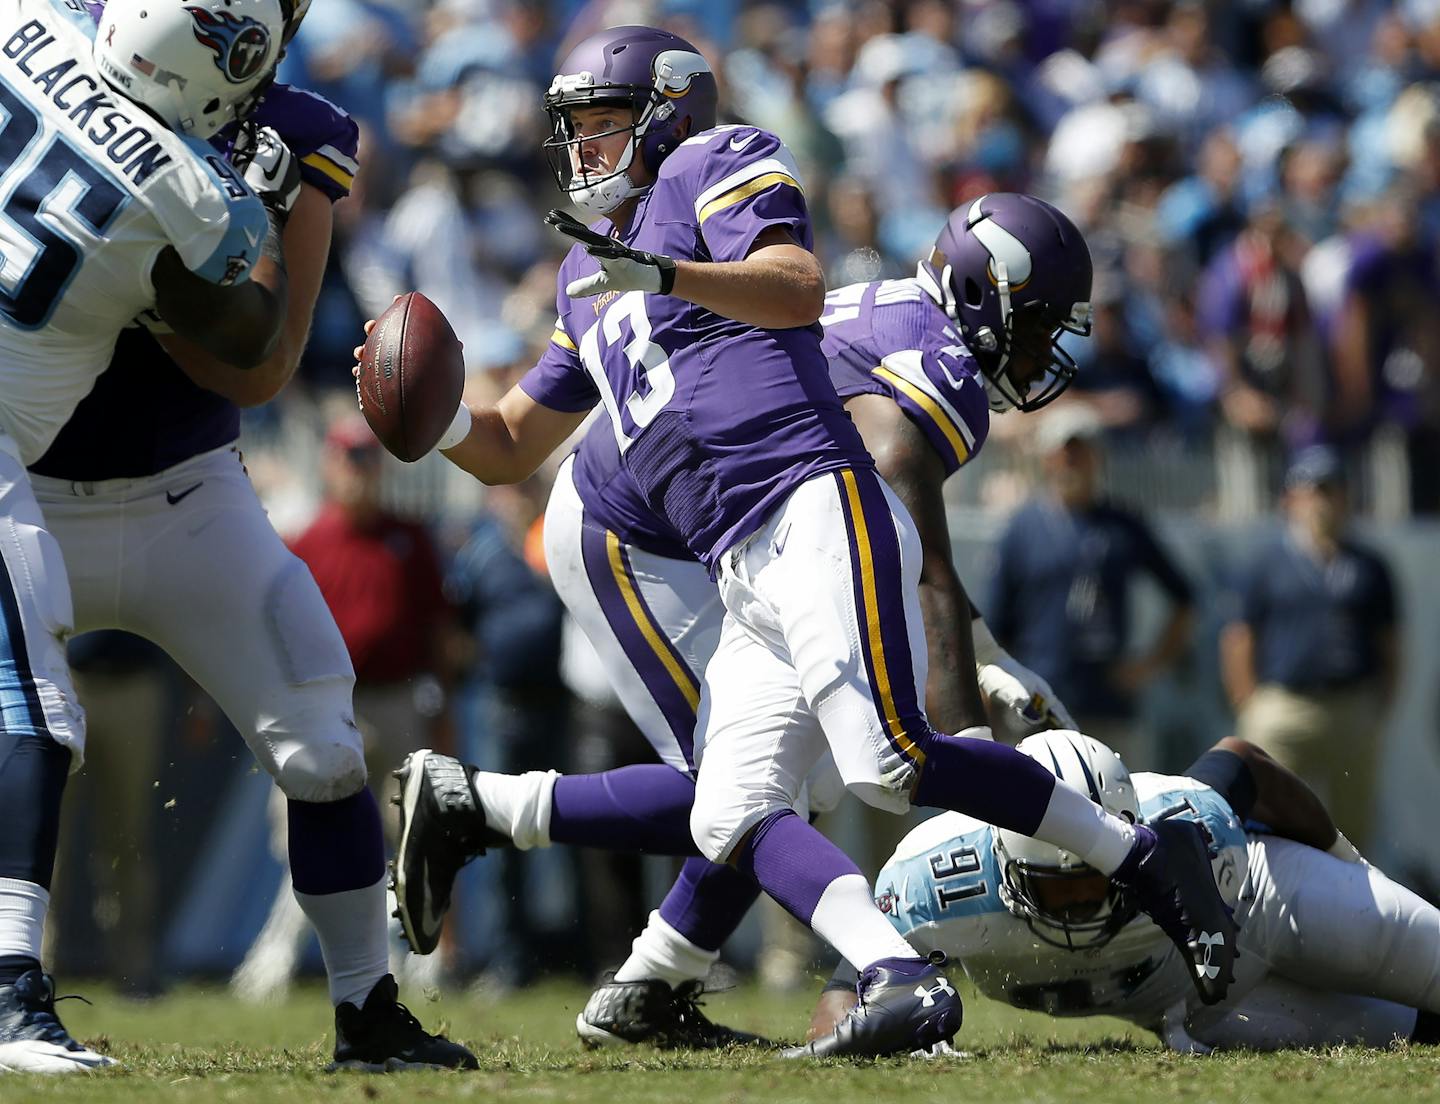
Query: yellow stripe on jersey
{"points": [[684, 680], [942, 420], [329, 168], [872, 624], [561, 338], [745, 191]]}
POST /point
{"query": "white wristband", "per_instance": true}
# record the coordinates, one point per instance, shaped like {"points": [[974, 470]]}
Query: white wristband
{"points": [[979, 732], [987, 649], [1342, 848], [459, 428]]}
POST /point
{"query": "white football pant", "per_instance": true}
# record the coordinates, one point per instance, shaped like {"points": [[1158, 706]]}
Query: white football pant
{"points": [[188, 559]]}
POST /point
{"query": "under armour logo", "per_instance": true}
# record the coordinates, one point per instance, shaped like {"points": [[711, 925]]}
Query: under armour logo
{"points": [[928, 996], [1209, 942]]}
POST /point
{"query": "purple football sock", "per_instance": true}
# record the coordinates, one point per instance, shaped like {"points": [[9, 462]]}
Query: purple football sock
{"points": [[708, 901], [336, 845], [986, 780], [793, 862], [643, 808]]}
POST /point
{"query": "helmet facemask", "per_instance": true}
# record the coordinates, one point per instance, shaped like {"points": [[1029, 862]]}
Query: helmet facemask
{"points": [[1073, 907], [598, 192]]}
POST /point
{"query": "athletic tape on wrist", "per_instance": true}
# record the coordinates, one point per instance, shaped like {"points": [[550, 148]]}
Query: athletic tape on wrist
{"points": [[459, 428]]}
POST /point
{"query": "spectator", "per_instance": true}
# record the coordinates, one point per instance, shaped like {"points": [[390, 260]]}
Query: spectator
{"points": [[1310, 663], [1060, 598]]}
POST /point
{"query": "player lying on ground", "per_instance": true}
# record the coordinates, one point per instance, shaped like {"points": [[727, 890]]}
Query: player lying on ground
{"points": [[703, 348], [1331, 950], [654, 616]]}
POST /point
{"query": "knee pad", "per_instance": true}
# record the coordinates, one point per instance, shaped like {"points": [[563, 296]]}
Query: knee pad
{"points": [[326, 766]]}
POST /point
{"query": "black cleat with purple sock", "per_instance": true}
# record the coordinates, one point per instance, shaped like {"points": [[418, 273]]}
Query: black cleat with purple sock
{"points": [[442, 827], [1168, 872], [906, 1004]]}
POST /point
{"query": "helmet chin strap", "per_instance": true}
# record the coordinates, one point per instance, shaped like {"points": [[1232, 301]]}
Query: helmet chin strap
{"points": [[603, 197]]}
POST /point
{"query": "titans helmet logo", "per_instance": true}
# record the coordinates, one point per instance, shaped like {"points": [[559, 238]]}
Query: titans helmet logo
{"points": [[240, 44]]}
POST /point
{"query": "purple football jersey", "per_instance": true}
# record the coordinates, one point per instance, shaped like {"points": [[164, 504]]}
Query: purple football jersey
{"points": [[891, 338], [144, 414], [716, 421]]}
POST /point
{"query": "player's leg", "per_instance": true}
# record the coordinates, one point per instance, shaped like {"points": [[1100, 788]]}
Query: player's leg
{"points": [[209, 581], [1281, 1014], [837, 569], [41, 729], [1318, 917], [761, 740]]}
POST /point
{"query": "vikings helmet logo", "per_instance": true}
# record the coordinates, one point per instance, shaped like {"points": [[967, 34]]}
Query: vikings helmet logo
{"points": [[240, 44]]}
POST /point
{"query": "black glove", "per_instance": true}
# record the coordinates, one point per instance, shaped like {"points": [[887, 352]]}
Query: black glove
{"points": [[621, 268]]}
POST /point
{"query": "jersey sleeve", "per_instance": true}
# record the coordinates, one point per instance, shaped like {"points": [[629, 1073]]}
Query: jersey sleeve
{"points": [[208, 214], [939, 390], [558, 379], [746, 183], [322, 136]]}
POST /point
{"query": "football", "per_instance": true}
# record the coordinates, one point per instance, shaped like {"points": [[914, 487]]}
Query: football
{"points": [[412, 372]]}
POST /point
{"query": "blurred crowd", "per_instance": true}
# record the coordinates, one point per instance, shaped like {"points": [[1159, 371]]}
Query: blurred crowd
{"points": [[1259, 182]]}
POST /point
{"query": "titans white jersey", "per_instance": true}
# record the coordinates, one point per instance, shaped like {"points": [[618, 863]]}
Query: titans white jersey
{"points": [[91, 190], [942, 890]]}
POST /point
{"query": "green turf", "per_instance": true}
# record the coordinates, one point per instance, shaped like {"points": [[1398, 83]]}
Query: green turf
{"points": [[197, 1044]]}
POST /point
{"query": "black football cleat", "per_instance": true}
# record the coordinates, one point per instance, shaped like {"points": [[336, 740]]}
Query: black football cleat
{"points": [[1170, 878], [651, 1011], [442, 827], [32, 1038], [382, 1036], [905, 1005]]}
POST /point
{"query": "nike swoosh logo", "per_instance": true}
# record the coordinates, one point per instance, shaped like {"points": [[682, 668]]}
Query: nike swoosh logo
{"points": [[737, 145], [175, 499]]}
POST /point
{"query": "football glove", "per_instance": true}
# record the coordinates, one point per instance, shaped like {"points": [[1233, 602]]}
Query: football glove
{"points": [[269, 167], [1021, 702], [621, 268]]}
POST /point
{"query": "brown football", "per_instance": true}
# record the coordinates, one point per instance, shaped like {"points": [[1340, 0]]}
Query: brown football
{"points": [[412, 372]]}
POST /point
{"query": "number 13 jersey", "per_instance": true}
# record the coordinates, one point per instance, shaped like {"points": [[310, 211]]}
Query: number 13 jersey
{"points": [[717, 421], [91, 190]]}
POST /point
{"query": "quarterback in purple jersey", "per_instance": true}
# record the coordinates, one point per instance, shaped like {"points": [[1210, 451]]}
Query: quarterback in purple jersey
{"points": [[146, 494], [648, 607], [703, 348]]}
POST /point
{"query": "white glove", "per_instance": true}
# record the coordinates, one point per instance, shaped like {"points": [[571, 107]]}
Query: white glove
{"points": [[269, 167], [1021, 702], [1174, 1035], [621, 268]]}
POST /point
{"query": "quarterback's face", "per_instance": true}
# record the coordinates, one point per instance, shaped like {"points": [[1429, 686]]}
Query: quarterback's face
{"points": [[604, 132]]}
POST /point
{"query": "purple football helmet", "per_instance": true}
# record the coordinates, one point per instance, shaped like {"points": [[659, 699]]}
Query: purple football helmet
{"points": [[662, 79], [1014, 273]]}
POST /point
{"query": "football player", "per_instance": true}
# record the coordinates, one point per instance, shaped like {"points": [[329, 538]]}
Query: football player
{"points": [[1331, 950], [922, 404], [690, 314], [145, 492]]}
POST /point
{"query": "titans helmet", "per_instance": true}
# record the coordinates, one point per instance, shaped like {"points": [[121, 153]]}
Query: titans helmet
{"points": [[1067, 903], [195, 66], [1014, 273], [661, 78]]}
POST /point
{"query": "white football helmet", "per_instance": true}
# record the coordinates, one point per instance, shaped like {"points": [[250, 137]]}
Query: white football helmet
{"points": [[194, 64], [1067, 903]]}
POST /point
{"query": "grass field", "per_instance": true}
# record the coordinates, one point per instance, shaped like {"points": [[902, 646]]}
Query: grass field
{"points": [[197, 1044]]}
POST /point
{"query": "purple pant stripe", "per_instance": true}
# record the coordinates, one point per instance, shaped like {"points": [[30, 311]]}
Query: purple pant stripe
{"points": [[885, 573], [659, 681]]}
